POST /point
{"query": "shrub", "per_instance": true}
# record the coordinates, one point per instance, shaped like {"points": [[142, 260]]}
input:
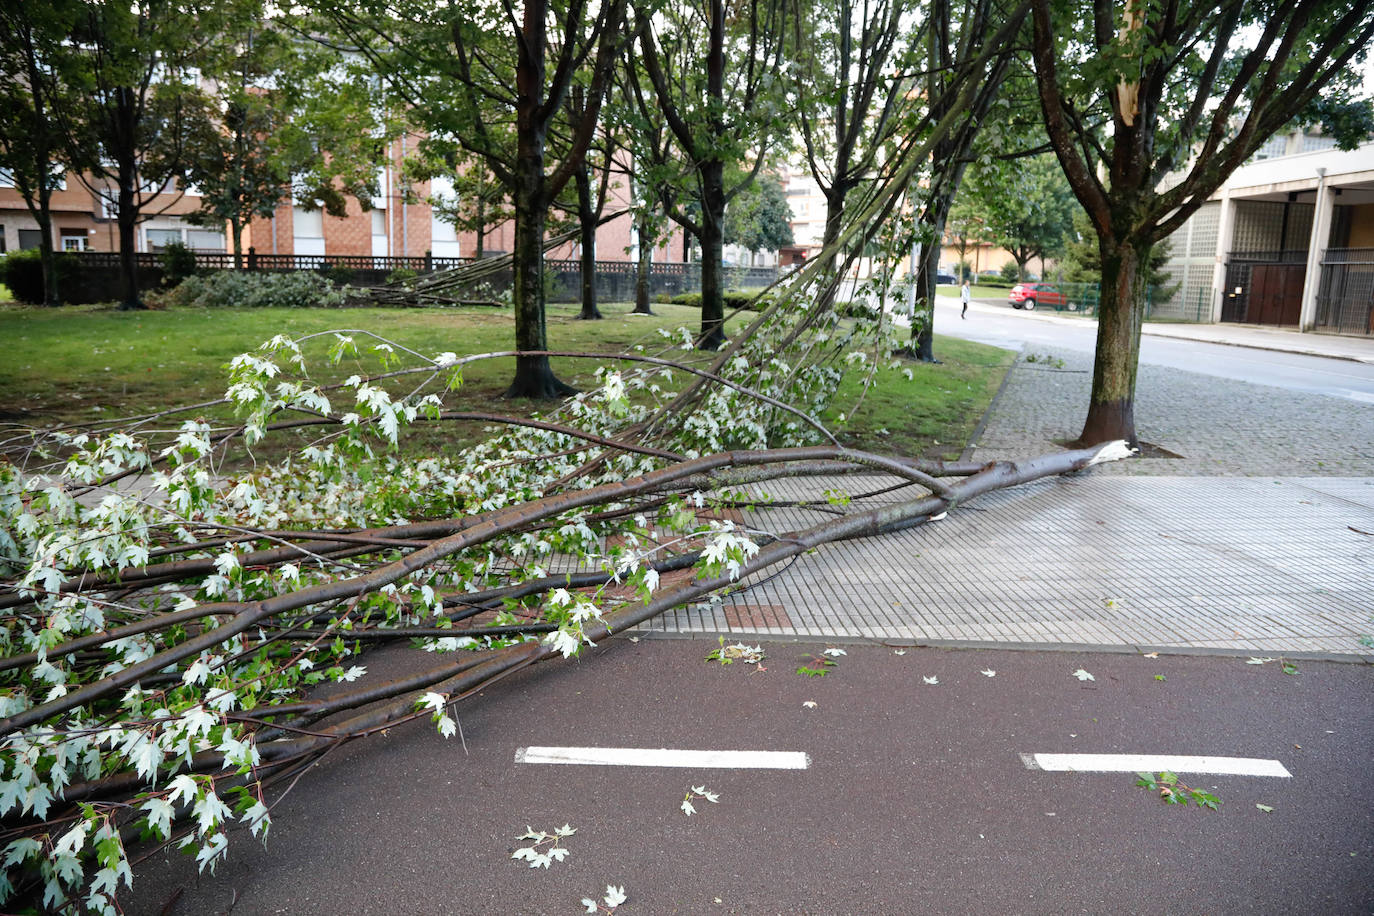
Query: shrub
{"points": [[339, 276], [22, 272], [253, 289], [401, 275], [178, 263], [1010, 272]]}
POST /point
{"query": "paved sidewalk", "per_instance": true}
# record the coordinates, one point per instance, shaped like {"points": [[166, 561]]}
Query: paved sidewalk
{"points": [[1257, 536]]}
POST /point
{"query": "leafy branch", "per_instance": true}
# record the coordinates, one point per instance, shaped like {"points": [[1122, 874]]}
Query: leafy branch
{"points": [[1175, 792]]}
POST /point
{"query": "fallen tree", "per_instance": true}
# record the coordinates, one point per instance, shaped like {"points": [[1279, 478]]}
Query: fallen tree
{"points": [[163, 639], [184, 622]]}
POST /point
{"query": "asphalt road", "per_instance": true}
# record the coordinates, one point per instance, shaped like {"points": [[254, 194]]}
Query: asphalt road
{"points": [[1006, 327], [916, 798]]}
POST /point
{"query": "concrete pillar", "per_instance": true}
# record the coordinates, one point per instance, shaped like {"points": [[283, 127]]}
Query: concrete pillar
{"points": [[1316, 248], [1226, 231]]}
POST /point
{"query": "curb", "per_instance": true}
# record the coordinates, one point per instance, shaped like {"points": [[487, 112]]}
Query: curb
{"points": [[1344, 658], [972, 445]]}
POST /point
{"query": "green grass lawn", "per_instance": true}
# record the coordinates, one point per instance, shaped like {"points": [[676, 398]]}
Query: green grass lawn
{"points": [[933, 413], [79, 364], [975, 291]]}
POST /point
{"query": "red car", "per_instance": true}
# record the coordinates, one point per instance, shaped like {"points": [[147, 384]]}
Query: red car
{"points": [[1027, 295]]}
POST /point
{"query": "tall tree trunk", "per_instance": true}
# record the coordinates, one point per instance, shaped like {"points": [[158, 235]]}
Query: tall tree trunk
{"points": [[586, 220], [127, 219], [934, 216], [236, 229], [481, 223], [1111, 409], [534, 377], [47, 252], [712, 172], [712, 253], [834, 222], [643, 232]]}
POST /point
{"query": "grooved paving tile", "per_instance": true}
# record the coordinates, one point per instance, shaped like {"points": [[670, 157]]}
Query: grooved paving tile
{"points": [[1222, 562]]}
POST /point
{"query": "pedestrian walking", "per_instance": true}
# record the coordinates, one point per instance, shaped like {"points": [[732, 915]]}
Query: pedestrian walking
{"points": [[963, 297]]}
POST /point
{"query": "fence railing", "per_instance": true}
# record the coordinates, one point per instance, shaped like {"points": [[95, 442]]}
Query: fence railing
{"points": [[1345, 294], [615, 279], [252, 260]]}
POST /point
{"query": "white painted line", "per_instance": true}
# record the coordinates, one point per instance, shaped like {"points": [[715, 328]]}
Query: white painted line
{"points": [[665, 757], [1153, 763]]}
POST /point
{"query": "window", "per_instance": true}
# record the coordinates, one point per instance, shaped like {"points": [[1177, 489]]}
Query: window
{"points": [[6, 179], [30, 238], [74, 239], [159, 239], [204, 240], [307, 231]]}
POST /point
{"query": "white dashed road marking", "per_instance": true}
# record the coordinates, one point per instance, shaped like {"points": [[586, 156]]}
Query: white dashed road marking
{"points": [[1153, 763], [665, 757]]}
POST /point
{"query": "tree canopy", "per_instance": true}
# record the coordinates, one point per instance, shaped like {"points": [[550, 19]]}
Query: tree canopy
{"points": [[1149, 109]]}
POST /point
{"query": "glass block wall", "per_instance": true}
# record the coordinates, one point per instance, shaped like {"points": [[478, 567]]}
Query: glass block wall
{"points": [[1192, 253]]}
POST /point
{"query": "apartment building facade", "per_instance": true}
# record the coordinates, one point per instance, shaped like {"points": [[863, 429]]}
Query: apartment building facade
{"points": [[400, 222], [1288, 241]]}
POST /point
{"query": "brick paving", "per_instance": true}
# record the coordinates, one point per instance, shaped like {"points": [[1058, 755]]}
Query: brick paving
{"points": [[1219, 427], [1255, 540]]}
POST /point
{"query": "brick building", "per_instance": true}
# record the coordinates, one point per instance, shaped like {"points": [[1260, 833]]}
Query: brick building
{"points": [[397, 225]]}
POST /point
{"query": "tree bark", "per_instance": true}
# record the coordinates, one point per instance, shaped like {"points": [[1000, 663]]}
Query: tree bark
{"points": [[47, 252], [1111, 408], [534, 376], [128, 242], [712, 253], [481, 224], [586, 218], [712, 172], [646, 252]]}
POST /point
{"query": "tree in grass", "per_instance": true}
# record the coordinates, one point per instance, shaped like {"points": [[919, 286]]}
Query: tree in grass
{"points": [[853, 75], [1026, 205], [288, 121], [760, 218], [1135, 93], [714, 80], [495, 80], [34, 86]]}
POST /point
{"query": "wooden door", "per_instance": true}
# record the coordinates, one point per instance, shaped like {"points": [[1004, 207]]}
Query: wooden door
{"points": [[1275, 294]]}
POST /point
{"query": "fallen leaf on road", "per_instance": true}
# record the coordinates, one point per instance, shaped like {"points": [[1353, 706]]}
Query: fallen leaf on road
{"points": [[1083, 675], [1258, 661], [809, 704], [931, 680], [1265, 808], [1152, 655], [988, 672], [899, 652], [834, 653]]}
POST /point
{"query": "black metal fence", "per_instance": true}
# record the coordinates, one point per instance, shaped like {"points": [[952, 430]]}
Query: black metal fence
{"points": [[615, 280], [1345, 296]]}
